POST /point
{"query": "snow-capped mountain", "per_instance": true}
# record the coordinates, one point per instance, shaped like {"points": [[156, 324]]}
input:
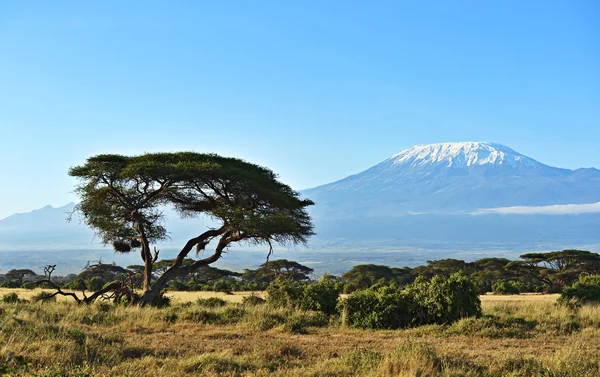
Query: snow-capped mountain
{"points": [[459, 155], [451, 177]]}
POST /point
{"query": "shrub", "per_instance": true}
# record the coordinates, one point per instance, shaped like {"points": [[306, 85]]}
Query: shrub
{"points": [[77, 284], [177, 285], [253, 300], [29, 285], [444, 300], [10, 284], [211, 302], [94, 284], [161, 301], [321, 296], [386, 308], [10, 298], [584, 290], [43, 296], [505, 288], [282, 293], [221, 286]]}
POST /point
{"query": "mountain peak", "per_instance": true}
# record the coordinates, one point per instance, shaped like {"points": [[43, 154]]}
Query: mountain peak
{"points": [[461, 154]]}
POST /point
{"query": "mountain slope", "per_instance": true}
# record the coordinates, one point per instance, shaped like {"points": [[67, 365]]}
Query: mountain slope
{"points": [[450, 177]]}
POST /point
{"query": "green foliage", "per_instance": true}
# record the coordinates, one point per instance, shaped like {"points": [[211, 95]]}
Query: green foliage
{"points": [[556, 268], [221, 286], [77, 284], [94, 284], [584, 290], [365, 276], [211, 302], [161, 301], [253, 300], [10, 284], [321, 296], [278, 269], [506, 288], [283, 293], [43, 296], [385, 308], [28, 285], [122, 196], [10, 298], [442, 300], [439, 300]]}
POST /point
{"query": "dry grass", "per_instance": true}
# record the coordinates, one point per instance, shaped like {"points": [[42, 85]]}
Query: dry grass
{"points": [[177, 296], [520, 337]]}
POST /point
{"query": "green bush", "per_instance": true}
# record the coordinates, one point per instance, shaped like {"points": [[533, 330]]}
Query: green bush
{"points": [[443, 300], [28, 285], [94, 284], [436, 301], [321, 296], [211, 302], [78, 284], [584, 290], [10, 284], [253, 300], [282, 293], [43, 296], [221, 286], [161, 301], [10, 298], [177, 285], [386, 308], [505, 288]]}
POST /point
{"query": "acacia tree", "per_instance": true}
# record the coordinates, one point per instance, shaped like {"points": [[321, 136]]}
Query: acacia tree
{"points": [[556, 268], [280, 268], [122, 197], [19, 275]]}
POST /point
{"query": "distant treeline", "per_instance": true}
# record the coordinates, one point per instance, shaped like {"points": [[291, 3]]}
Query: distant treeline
{"points": [[535, 272]]}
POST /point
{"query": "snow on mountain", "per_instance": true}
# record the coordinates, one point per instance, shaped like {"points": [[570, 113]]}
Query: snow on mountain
{"points": [[459, 155], [454, 177]]}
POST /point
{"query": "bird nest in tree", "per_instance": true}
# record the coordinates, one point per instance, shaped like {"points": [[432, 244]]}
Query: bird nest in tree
{"points": [[135, 243], [200, 246], [121, 246]]}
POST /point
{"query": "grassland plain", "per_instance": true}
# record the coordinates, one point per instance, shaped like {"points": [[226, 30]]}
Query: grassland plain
{"points": [[516, 336]]}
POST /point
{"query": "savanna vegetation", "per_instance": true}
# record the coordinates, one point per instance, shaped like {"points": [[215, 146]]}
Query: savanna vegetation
{"points": [[431, 320]]}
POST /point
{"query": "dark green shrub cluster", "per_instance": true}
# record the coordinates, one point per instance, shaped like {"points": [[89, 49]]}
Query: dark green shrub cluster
{"points": [[43, 296], [10, 298], [435, 301], [10, 284], [584, 290], [444, 300], [211, 302], [505, 288], [253, 300], [384, 308], [319, 296]]}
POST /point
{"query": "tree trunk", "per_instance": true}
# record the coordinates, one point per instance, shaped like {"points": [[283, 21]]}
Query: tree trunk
{"points": [[152, 292]]}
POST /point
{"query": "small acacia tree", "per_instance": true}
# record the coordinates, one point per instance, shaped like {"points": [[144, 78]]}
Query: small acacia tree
{"points": [[122, 197]]}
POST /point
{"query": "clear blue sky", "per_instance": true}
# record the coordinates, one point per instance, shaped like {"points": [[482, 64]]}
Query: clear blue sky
{"points": [[315, 90]]}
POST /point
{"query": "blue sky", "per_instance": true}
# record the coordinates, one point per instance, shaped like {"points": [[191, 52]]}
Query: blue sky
{"points": [[315, 90]]}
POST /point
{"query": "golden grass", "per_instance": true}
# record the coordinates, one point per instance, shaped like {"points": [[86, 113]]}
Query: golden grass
{"points": [[178, 296], [523, 336]]}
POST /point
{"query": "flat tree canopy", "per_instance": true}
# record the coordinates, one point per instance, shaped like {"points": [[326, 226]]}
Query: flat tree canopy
{"points": [[122, 196]]}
